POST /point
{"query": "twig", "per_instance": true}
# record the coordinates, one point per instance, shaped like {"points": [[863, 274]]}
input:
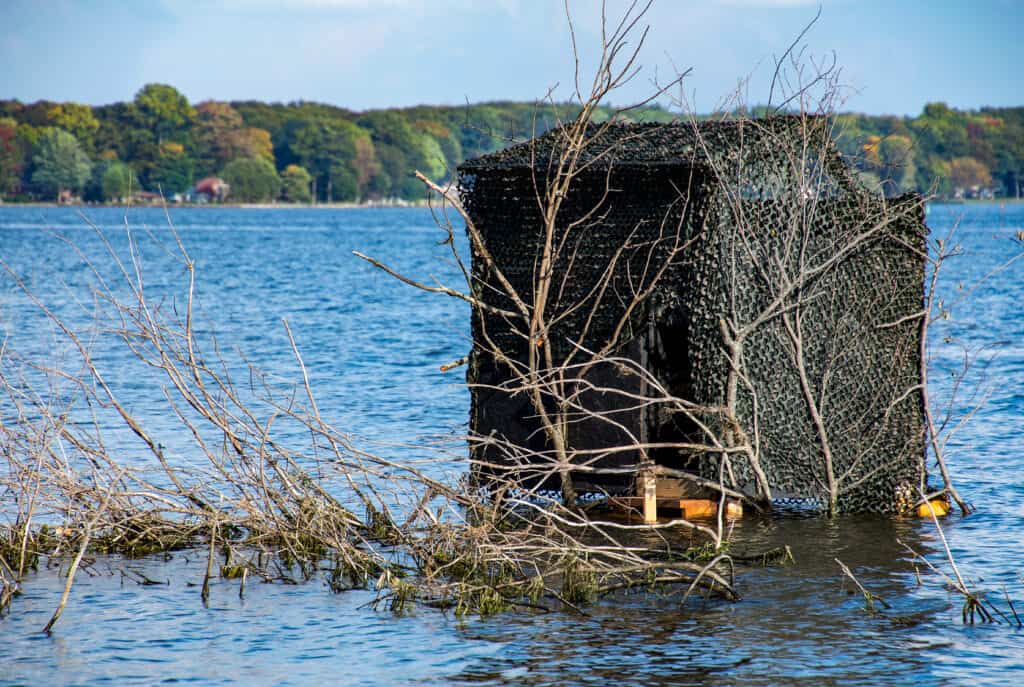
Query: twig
{"points": [[869, 597], [86, 537]]}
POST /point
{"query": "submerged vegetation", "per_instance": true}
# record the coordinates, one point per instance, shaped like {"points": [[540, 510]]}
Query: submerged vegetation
{"points": [[260, 508]]}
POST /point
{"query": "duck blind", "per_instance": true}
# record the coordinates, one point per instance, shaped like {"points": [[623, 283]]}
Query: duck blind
{"points": [[727, 284]]}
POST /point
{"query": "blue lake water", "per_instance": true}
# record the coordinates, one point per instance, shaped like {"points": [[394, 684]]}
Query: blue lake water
{"points": [[373, 347]]}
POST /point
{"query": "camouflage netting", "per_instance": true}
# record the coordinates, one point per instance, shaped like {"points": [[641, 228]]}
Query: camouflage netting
{"points": [[714, 224]]}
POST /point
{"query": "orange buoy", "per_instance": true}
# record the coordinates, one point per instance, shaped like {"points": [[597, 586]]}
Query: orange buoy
{"points": [[940, 506]]}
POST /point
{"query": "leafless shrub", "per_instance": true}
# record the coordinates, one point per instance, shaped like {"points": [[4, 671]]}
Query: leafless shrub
{"points": [[270, 508]]}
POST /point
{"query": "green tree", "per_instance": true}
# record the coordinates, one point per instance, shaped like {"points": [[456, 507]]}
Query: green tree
{"points": [[36, 114], [164, 111], [941, 131], [295, 182], [896, 169], [939, 135], [93, 190], [118, 181], [1009, 157], [252, 180], [172, 171], [451, 148], [432, 161], [60, 164], [933, 176], [11, 157], [402, 151], [329, 151], [29, 135], [122, 131]]}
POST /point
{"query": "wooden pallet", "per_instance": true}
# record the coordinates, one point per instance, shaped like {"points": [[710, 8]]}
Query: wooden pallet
{"points": [[676, 498], [689, 509]]}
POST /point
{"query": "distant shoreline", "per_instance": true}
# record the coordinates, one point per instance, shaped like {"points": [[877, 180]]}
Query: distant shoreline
{"points": [[978, 201], [368, 206]]}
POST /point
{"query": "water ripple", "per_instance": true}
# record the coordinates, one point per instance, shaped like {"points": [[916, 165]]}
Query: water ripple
{"points": [[372, 348]]}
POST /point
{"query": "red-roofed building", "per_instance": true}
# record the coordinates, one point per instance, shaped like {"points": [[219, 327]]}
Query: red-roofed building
{"points": [[209, 189]]}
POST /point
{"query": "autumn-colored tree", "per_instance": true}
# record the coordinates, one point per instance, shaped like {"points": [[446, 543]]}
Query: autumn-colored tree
{"points": [[365, 164], [295, 185], [215, 121], [980, 139], [11, 157], [967, 173], [78, 120], [374, 154], [220, 136], [60, 163], [871, 158], [251, 142], [217, 116]]}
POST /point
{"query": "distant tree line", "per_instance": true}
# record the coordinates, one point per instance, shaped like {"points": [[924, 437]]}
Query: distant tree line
{"points": [[945, 151], [300, 152]]}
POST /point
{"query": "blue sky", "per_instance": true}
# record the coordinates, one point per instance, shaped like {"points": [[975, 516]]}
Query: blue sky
{"points": [[896, 55]]}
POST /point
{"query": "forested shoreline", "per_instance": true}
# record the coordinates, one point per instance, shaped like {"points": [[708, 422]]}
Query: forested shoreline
{"points": [[159, 145]]}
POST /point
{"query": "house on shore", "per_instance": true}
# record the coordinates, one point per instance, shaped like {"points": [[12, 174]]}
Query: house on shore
{"points": [[208, 190]]}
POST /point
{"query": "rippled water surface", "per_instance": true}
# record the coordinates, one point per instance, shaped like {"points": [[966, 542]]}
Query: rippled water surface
{"points": [[373, 348]]}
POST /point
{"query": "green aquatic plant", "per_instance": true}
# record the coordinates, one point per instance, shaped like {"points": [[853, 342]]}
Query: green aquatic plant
{"points": [[579, 581]]}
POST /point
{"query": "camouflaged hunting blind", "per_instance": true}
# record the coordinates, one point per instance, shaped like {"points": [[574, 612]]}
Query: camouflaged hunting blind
{"points": [[708, 223]]}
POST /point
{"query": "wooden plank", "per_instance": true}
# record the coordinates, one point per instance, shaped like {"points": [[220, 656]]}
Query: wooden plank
{"points": [[670, 488], [698, 508], [650, 487]]}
